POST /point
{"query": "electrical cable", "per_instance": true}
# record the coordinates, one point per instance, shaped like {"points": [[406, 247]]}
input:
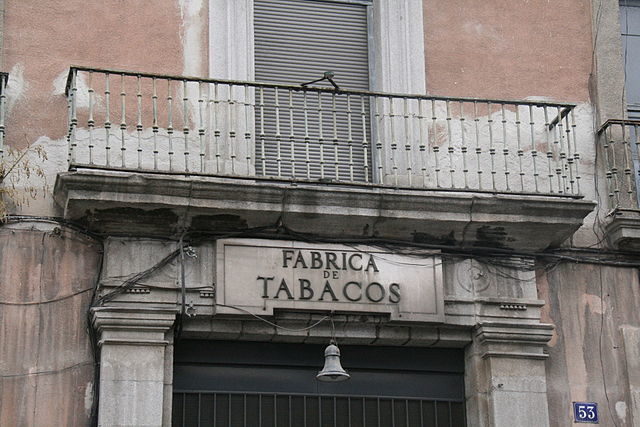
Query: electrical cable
{"points": [[48, 372], [271, 323], [12, 219], [604, 377], [47, 301], [93, 342]]}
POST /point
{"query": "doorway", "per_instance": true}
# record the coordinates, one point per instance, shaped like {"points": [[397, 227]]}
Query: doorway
{"points": [[267, 384]]}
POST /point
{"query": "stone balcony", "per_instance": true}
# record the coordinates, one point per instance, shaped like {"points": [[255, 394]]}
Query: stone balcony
{"points": [[619, 142], [156, 155]]}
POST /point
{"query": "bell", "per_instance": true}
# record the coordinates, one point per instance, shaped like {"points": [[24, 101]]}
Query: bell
{"points": [[332, 371]]}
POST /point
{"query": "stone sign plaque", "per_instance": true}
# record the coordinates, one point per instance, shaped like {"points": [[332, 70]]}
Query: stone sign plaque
{"points": [[261, 276]]}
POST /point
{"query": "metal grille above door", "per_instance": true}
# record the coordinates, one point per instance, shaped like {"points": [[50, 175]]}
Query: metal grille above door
{"points": [[315, 137], [265, 384]]}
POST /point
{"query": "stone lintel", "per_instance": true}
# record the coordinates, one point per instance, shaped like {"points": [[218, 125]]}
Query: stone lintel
{"points": [[349, 330]]}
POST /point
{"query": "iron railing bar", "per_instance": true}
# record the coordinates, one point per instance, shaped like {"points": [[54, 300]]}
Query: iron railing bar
{"points": [[435, 413], [393, 413], [563, 113], [623, 122], [358, 396], [184, 405], [312, 89]]}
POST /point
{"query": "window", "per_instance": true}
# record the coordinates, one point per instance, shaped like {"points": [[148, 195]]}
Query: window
{"points": [[630, 29], [395, 51], [296, 41]]}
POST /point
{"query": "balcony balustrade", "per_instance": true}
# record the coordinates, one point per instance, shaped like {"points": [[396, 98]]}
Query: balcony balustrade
{"points": [[619, 143], [173, 124], [163, 153]]}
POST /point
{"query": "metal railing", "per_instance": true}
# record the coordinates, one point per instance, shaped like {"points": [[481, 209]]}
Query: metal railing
{"points": [[176, 124], [620, 140], [283, 409]]}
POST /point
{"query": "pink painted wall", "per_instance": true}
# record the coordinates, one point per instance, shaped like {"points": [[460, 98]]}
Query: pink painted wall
{"points": [[508, 48], [588, 306], [45, 38], [46, 285]]}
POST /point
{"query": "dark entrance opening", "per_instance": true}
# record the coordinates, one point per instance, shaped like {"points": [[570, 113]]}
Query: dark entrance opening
{"points": [[267, 384]]}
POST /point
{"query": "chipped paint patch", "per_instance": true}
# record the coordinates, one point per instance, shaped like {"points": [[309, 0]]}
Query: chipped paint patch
{"points": [[594, 303], [485, 31], [82, 94], [621, 410], [17, 86], [88, 397], [192, 27], [39, 185]]}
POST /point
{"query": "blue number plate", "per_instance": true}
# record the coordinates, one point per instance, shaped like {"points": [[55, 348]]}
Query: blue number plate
{"points": [[585, 412]]}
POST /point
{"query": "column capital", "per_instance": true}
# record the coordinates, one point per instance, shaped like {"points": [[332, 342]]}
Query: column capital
{"points": [[132, 326], [522, 341]]}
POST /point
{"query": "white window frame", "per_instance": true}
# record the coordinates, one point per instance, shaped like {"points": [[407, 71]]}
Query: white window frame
{"points": [[396, 50], [396, 43]]}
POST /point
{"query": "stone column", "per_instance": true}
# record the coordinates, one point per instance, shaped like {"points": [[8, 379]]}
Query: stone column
{"points": [[506, 381], [134, 367]]}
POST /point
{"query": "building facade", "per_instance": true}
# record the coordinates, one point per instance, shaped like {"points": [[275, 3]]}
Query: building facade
{"points": [[199, 196]]}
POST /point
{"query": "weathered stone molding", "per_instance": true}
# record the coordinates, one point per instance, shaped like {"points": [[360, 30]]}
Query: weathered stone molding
{"points": [[132, 326], [519, 341], [623, 231]]}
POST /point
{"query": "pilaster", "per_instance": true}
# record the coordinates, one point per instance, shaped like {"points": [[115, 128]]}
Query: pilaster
{"points": [[506, 379], [134, 365]]}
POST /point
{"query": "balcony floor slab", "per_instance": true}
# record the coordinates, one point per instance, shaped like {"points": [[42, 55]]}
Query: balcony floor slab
{"points": [[162, 205]]}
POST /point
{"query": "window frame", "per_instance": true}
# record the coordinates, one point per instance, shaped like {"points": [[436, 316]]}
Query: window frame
{"points": [[396, 50], [396, 30]]}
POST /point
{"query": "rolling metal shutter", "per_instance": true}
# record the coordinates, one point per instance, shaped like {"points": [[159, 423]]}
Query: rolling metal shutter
{"points": [[296, 41]]}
